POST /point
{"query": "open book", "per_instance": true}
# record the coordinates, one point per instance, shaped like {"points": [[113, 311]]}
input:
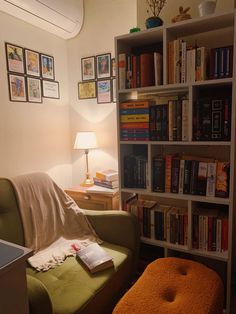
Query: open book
{"points": [[95, 258]]}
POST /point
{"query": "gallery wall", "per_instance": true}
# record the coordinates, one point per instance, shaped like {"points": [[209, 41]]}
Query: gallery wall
{"points": [[34, 136]]}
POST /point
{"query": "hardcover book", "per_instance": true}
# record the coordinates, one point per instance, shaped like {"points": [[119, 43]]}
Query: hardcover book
{"points": [[95, 258]]}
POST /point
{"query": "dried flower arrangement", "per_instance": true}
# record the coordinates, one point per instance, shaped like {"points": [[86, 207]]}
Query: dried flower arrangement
{"points": [[154, 7]]}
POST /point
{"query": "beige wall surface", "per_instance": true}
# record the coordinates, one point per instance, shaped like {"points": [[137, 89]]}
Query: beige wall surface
{"points": [[34, 137], [104, 19], [171, 9]]}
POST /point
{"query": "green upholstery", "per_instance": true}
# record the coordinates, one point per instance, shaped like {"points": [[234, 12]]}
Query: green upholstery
{"points": [[69, 288]]}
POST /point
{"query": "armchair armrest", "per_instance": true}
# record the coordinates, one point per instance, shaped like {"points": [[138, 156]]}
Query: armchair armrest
{"points": [[116, 226], [39, 300]]}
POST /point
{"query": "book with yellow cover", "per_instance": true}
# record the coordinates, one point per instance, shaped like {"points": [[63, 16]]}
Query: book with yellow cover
{"points": [[95, 258], [107, 174]]}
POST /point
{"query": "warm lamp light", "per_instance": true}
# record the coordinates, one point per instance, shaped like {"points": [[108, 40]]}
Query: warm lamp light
{"points": [[86, 141]]}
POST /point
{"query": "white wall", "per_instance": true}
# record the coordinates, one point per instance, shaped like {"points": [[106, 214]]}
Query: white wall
{"points": [[104, 19], [171, 9], [34, 137]]}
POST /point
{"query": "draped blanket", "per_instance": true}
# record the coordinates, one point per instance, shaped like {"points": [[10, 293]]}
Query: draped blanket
{"points": [[53, 223]]}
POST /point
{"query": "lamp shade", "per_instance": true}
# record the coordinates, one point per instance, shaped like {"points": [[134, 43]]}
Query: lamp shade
{"points": [[85, 140]]}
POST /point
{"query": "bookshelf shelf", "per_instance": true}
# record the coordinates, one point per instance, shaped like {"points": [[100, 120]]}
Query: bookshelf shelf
{"points": [[172, 124]]}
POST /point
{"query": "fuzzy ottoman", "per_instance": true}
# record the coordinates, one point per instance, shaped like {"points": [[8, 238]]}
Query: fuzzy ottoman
{"points": [[174, 286]]}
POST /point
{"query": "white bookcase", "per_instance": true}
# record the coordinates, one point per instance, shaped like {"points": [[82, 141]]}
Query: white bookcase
{"points": [[210, 31]]}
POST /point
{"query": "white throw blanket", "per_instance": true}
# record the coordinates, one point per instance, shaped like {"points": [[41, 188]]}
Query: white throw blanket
{"points": [[52, 221]]}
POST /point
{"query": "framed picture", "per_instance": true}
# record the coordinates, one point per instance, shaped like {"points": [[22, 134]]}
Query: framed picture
{"points": [[32, 62], [87, 90], [17, 88], [50, 89], [113, 90], [113, 67], [103, 91], [15, 58], [103, 63], [34, 90], [88, 68], [47, 67]]}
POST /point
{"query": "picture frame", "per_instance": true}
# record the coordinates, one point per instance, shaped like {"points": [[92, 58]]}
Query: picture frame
{"points": [[103, 65], [113, 67], [50, 89], [87, 90], [47, 67], [34, 89], [104, 91], [114, 90], [15, 58], [32, 62], [88, 69], [17, 88]]}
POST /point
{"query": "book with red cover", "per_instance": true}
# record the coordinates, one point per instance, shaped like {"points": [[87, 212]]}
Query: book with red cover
{"points": [[147, 73]]}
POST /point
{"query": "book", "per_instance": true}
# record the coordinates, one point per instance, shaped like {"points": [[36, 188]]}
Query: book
{"points": [[100, 189], [105, 183], [222, 179], [95, 258], [108, 175], [147, 75]]}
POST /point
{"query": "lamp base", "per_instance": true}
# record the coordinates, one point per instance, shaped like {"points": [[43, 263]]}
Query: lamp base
{"points": [[87, 182]]}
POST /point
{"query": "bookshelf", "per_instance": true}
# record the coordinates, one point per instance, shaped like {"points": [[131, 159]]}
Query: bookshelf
{"points": [[213, 32]]}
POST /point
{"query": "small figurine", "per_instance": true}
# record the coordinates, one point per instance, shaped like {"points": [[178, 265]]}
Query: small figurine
{"points": [[183, 15]]}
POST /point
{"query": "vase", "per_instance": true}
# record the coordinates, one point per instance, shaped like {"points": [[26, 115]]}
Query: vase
{"points": [[153, 21], [207, 7]]}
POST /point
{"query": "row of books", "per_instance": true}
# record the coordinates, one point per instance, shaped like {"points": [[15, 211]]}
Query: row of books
{"points": [[187, 64], [107, 178], [210, 230], [191, 175], [212, 119], [135, 171], [140, 70]]}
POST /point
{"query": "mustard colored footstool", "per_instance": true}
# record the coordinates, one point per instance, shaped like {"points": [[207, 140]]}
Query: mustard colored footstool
{"points": [[174, 286]]}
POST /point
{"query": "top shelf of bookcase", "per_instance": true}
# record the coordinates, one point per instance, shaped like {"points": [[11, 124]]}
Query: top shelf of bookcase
{"points": [[184, 28]]}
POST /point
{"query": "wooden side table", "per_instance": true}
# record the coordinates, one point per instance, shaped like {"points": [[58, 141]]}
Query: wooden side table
{"points": [[92, 200], [13, 288]]}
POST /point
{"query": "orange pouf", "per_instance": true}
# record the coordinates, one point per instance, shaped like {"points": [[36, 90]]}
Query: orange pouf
{"points": [[174, 286]]}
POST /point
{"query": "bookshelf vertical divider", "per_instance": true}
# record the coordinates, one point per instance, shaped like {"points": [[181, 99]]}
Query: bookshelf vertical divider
{"points": [[216, 34]]}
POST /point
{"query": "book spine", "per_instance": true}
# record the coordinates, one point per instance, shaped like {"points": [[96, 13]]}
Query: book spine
{"points": [[227, 118], [179, 120], [121, 70], [158, 68], [194, 177], [181, 176], [217, 119], [134, 111], [134, 125], [171, 62], [187, 176], [222, 179], [185, 105], [175, 164], [211, 179], [170, 120], [134, 118], [218, 234], [202, 178], [168, 162], [164, 123], [183, 62], [134, 104], [159, 174]]}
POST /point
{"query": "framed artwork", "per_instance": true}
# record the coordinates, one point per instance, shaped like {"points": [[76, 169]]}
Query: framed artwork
{"points": [[32, 62], [87, 90], [50, 89], [88, 68], [103, 91], [103, 63], [47, 67], [17, 88], [113, 67], [15, 58], [113, 90], [34, 90]]}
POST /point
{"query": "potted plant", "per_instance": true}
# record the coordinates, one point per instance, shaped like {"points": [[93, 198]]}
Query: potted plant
{"points": [[154, 8]]}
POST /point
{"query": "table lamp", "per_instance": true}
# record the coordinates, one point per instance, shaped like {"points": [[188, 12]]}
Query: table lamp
{"points": [[86, 141]]}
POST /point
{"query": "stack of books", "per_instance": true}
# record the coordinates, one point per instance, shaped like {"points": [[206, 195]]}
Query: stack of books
{"points": [[107, 179]]}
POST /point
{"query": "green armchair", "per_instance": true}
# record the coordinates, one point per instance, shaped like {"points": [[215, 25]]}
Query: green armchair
{"points": [[69, 288]]}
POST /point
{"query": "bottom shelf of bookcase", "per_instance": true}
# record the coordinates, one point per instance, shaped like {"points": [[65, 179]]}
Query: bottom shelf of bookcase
{"points": [[182, 248]]}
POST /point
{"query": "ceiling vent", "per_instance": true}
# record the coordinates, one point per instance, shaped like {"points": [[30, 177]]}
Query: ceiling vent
{"points": [[63, 18]]}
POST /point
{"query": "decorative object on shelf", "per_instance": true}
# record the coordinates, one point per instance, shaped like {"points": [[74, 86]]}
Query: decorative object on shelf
{"points": [[154, 8], [134, 30], [88, 68], [183, 15], [207, 7], [86, 141], [103, 63], [87, 90]]}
